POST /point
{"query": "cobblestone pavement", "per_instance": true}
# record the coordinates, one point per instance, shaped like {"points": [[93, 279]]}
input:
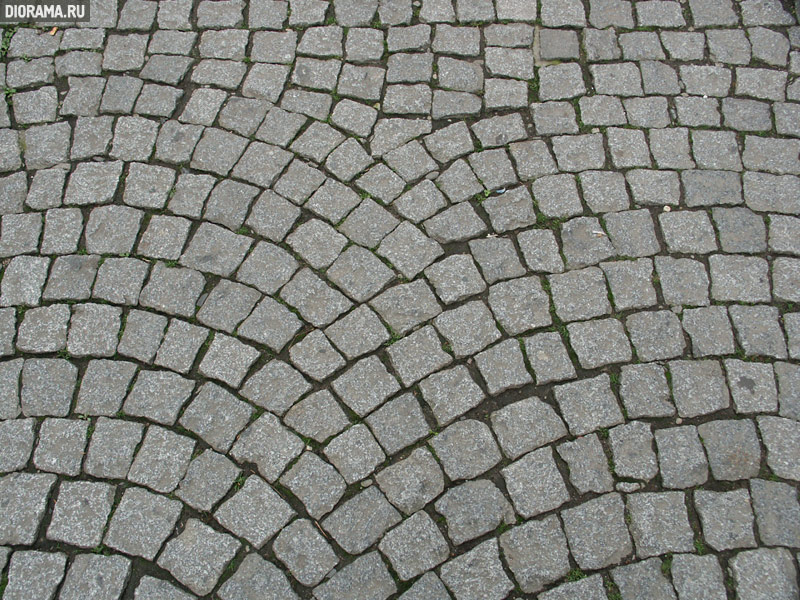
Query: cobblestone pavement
{"points": [[429, 299]]}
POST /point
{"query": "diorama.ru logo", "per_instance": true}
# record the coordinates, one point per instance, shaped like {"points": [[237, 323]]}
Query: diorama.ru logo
{"points": [[20, 11]]}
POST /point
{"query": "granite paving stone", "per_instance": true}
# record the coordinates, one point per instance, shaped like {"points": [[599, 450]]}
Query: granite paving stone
{"points": [[276, 386], [471, 441], [681, 458], [428, 586], [450, 393], [526, 425], [61, 446], [355, 453], [398, 423], [642, 578], [158, 395], [18, 437], [588, 405], [198, 555], [534, 570], [304, 551], [535, 484], [161, 460], [727, 518], [764, 572], [472, 509], [477, 574], [502, 367], [316, 484], [112, 447], [208, 478], [365, 577], [25, 497], [141, 523], [81, 511], [631, 449], [589, 587], [414, 546], [412, 482], [365, 385], [670, 532], [34, 572], [418, 355], [596, 531], [96, 576], [692, 574], [355, 534], [216, 416], [255, 512], [47, 386], [267, 444], [779, 436], [698, 387], [599, 342]]}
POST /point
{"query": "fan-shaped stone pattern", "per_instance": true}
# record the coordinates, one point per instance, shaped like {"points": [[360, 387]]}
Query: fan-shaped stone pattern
{"points": [[401, 299]]}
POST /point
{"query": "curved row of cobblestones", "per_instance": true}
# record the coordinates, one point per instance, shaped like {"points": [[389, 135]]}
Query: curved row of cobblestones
{"points": [[380, 299]]}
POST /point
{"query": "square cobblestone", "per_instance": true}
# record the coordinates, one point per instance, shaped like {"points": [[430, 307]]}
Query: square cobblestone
{"points": [[597, 533], [472, 509], [141, 523], [682, 461], [255, 512], [588, 405], [316, 484]]}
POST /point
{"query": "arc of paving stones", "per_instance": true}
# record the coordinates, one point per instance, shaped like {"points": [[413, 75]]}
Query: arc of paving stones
{"points": [[392, 299]]}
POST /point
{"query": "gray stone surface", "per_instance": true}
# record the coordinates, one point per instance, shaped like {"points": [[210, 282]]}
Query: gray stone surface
{"points": [[141, 523], [255, 577], [659, 523], [198, 555], [732, 448], [112, 447], [268, 444], [25, 497], [526, 425], [597, 533], [775, 506], [207, 480], [472, 509], [62, 443], [414, 546], [35, 573], [466, 449], [316, 484], [418, 269], [698, 387], [696, 575], [780, 439], [588, 465], [642, 579], [256, 512], [365, 577], [81, 511], [355, 534], [535, 484], [681, 458], [588, 405], [96, 576], [355, 453], [764, 573], [477, 574], [412, 482], [727, 518]]}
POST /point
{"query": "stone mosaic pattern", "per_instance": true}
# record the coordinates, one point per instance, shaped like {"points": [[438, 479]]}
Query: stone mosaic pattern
{"points": [[418, 299]]}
